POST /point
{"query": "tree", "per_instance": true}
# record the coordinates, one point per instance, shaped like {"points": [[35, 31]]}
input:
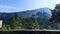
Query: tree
{"points": [[35, 21], [32, 21], [15, 22], [56, 14], [12, 22]]}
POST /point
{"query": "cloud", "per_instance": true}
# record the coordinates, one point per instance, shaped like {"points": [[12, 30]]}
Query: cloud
{"points": [[7, 8]]}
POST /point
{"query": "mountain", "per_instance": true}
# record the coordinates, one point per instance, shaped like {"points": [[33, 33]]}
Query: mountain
{"points": [[44, 12]]}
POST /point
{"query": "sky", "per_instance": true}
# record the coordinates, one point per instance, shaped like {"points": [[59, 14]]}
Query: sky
{"points": [[23, 5]]}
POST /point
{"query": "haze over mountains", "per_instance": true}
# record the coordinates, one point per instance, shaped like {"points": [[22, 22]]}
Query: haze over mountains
{"points": [[24, 14], [43, 13]]}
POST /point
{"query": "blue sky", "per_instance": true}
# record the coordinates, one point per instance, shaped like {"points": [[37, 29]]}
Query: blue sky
{"points": [[22, 5]]}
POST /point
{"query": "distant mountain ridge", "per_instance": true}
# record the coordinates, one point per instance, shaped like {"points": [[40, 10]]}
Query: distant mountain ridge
{"points": [[24, 14]]}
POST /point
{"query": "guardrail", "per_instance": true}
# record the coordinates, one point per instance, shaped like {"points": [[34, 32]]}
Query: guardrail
{"points": [[30, 30]]}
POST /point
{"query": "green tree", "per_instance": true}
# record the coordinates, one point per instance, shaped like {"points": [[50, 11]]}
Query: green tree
{"points": [[12, 22], [35, 21], [5, 27], [32, 21], [15, 22]]}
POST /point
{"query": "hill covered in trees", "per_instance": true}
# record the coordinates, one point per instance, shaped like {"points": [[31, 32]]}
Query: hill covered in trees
{"points": [[28, 19]]}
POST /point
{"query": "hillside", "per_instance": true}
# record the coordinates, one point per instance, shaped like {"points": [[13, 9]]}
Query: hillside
{"points": [[24, 14]]}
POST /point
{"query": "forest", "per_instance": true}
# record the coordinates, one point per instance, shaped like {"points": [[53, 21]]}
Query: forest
{"points": [[18, 23]]}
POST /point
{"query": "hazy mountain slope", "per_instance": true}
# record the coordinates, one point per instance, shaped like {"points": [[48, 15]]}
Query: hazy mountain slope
{"points": [[24, 14]]}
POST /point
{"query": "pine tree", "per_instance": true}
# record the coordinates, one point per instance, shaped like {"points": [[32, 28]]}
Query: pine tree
{"points": [[32, 22], [15, 22], [35, 21], [12, 22]]}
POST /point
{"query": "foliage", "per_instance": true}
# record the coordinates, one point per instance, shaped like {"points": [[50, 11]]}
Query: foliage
{"points": [[15, 21], [5, 27], [56, 14]]}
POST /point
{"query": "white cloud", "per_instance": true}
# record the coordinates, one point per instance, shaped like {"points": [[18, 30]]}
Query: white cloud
{"points": [[6, 8]]}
